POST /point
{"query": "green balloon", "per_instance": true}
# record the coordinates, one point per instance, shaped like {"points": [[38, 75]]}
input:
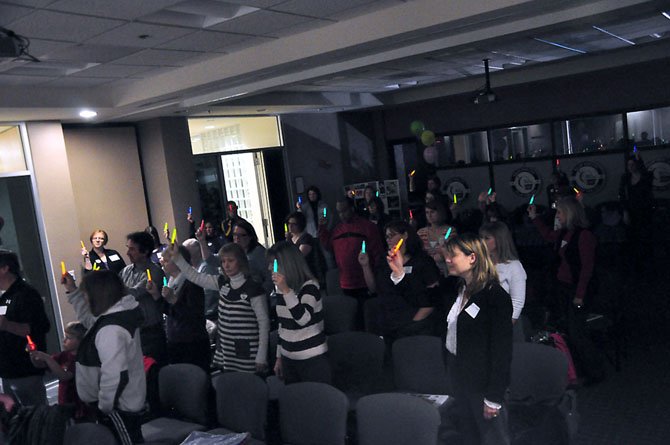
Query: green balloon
{"points": [[416, 127], [427, 138]]}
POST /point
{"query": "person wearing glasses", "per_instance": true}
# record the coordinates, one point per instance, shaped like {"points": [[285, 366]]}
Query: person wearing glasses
{"points": [[100, 256]]}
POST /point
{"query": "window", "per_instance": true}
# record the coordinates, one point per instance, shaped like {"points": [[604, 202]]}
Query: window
{"points": [[649, 127], [586, 135], [470, 148], [514, 143]]}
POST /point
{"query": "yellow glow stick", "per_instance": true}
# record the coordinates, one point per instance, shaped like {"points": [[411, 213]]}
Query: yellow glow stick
{"points": [[455, 199], [285, 227], [148, 275], [174, 236], [397, 246], [575, 189], [83, 246], [95, 266], [165, 227], [62, 268], [412, 172]]}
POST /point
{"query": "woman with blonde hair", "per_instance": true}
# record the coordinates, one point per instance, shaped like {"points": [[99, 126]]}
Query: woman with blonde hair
{"points": [[511, 274], [478, 341], [575, 251]]}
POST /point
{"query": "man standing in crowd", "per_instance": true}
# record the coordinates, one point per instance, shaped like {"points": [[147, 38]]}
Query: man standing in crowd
{"points": [[21, 314], [135, 278], [346, 241], [231, 219]]}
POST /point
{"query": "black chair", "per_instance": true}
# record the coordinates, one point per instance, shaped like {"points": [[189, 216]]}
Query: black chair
{"points": [[183, 396], [419, 365], [371, 316], [541, 408], [333, 282], [241, 405], [312, 413], [89, 433], [396, 419], [339, 313], [356, 360]]}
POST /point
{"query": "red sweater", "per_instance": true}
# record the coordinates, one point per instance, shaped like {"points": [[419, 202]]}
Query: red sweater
{"points": [[345, 242]]}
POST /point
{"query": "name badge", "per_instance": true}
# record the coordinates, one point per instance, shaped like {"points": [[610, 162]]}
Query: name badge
{"points": [[408, 269], [563, 243], [98, 261], [224, 290], [3, 310], [472, 310], [114, 257]]}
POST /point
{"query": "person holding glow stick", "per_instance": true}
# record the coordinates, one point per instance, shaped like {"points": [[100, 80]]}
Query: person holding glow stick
{"points": [[432, 235], [574, 285], [213, 240], [314, 209], [105, 258], [184, 304], [232, 218], [21, 313], [406, 284], [378, 215], [308, 246], [243, 318], [302, 342], [157, 251]]}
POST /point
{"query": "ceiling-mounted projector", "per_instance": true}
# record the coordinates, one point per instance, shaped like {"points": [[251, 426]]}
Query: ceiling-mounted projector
{"points": [[486, 95], [9, 45]]}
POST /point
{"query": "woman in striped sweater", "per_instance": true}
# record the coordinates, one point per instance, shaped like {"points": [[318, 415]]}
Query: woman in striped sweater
{"points": [[243, 322], [301, 353]]}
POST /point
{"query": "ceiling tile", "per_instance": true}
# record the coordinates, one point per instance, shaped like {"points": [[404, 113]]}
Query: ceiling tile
{"points": [[61, 26], [32, 3], [129, 35], [257, 3], [6, 79], [264, 23], [118, 9], [205, 41], [10, 13], [319, 8], [79, 82], [159, 57], [41, 48], [91, 53]]}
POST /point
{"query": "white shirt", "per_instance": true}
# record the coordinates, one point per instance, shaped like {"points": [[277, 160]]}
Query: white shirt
{"points": [[512, 278]]}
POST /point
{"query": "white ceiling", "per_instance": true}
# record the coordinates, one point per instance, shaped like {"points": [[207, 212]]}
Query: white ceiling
{"points": [[131, 59]]}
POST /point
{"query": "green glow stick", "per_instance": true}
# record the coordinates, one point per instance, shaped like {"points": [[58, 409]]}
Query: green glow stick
{"points": [[532, 200], [164, 281], [446, 236], [490, 191], [324, 212], [275, 266], [363, 247]]}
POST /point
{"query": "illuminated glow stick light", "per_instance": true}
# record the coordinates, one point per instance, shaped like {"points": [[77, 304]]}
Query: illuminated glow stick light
{"points": [[455, 199], [397, 246], [411, 215], [166, 227], [532, 200], [299, 199], [275, 266], [576, 190], [363, 247], [202, 225], [324, 212], [164, 281], [446, 236], [285, 227], [174, 236], [377, 193], [83, 246], [190, 209], [95, 266], [490, 191], [149, 275], [31, 344], [63, 270]]}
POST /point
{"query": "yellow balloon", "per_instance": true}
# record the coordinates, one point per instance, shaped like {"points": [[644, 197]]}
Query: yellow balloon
{"points": [[427, 138]]}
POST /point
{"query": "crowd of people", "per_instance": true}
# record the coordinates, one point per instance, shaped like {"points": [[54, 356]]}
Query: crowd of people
{"points": [[449, 275]]}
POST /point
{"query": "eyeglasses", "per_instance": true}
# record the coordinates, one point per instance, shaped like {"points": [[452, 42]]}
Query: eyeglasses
{"points": [[240, 235]]}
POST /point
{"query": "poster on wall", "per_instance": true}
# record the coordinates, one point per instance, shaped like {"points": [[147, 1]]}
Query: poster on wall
{"points": [[456, 187], [588, 177], [525, 182], [660, 168]]}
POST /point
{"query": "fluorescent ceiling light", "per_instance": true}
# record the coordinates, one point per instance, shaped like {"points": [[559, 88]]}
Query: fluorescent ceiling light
{"points": [[209, 127], [549, 42], [613, 35], [88, 114], [666, 15]]}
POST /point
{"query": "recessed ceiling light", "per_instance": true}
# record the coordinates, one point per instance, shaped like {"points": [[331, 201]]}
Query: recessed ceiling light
{"points": [[209, 127], [666, 15], [88, 114]]}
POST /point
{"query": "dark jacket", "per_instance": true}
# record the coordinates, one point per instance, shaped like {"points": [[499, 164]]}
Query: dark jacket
{"points": [[484, 344]]}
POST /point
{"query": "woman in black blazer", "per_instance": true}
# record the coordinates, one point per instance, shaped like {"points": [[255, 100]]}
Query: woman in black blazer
{"points": [[99, 256], [479, 340]]}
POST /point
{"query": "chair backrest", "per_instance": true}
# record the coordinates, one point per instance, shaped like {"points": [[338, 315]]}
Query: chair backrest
{"points": [[371, 316], [333, 281], [419, 366], [242, 403], [393, 418], [183, 388], [339, 313], [273, 341], [89, 433], [539, 374], [357, 360], [312, 413]]}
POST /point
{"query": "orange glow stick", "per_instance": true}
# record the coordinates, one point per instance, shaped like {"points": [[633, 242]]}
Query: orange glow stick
{"points": [[149, 275], [62, 268], [397, 246], [31, 344]]}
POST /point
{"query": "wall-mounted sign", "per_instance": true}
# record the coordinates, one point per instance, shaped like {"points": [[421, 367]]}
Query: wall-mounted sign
{"points": [[588, 176], [525, 181], [660, 168], [458, 187]]}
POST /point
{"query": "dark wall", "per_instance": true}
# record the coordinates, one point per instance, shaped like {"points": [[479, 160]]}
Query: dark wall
{"points": [[625, 88]]}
